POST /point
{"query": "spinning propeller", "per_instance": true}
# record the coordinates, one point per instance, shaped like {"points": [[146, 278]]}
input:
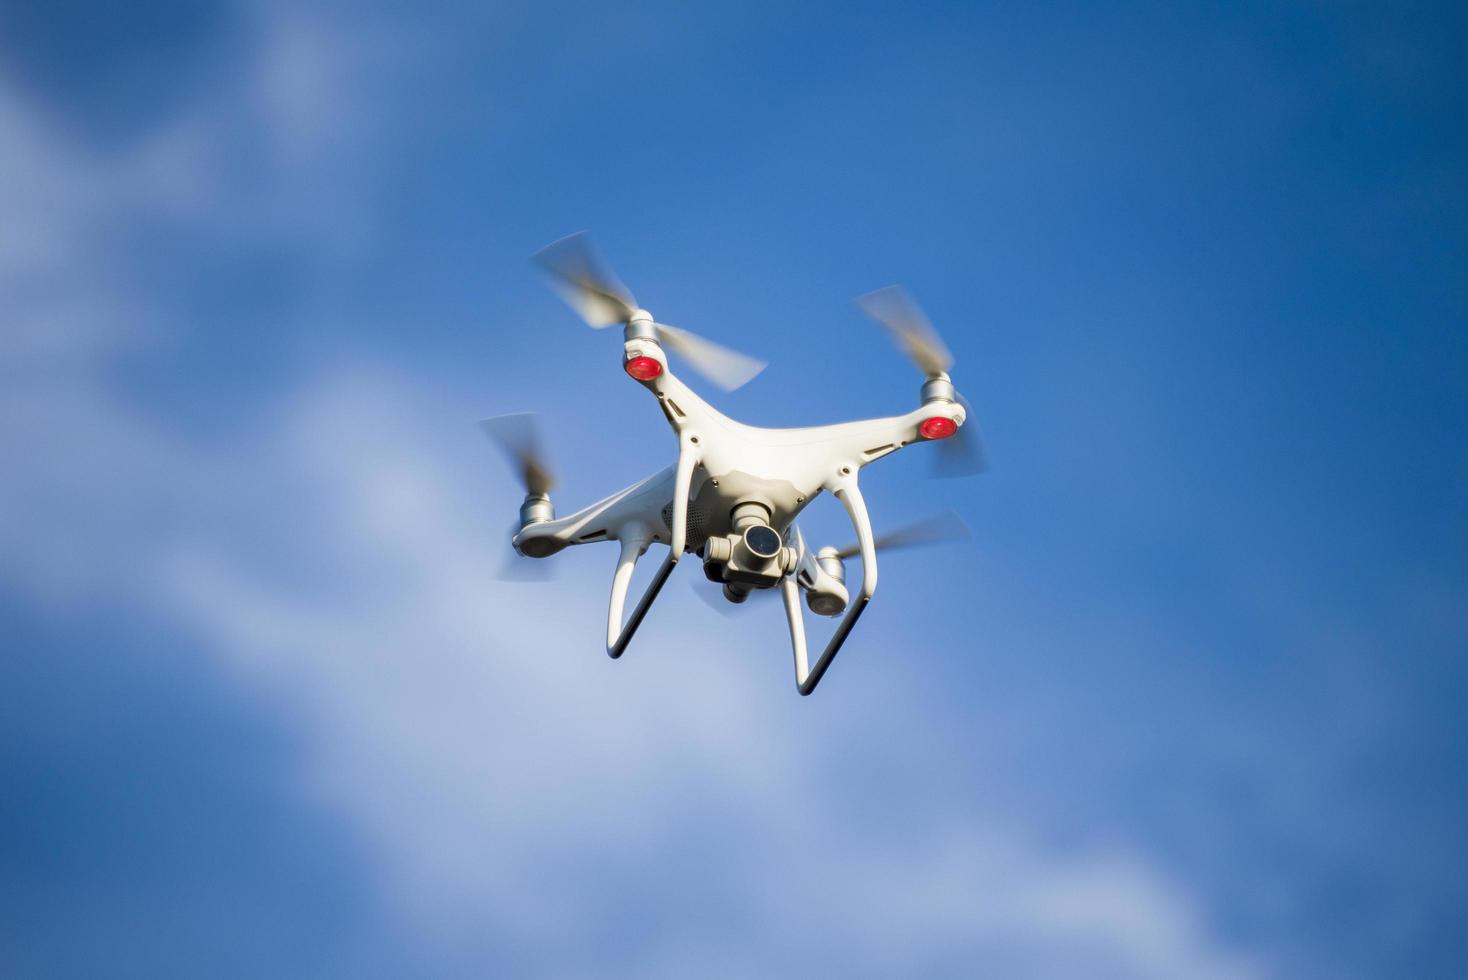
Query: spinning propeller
{"points": [[961, 454], [938, 529], [590, 288], [518, 437]]}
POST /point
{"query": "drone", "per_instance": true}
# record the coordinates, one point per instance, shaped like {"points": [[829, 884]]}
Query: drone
{"points": [[735, 491]]}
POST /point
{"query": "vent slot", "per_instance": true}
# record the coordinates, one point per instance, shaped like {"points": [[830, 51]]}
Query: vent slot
{"points": [[696, 531], [593, 535], [878, 451], [673, 406]]}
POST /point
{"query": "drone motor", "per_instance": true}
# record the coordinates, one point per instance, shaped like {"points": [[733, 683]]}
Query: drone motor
{"points": [[537, 509]]}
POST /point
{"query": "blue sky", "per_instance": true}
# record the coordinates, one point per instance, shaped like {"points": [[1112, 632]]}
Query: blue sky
{"points": [[1188, 704]]}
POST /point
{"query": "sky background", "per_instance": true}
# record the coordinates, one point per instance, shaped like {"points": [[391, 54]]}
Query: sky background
{"points": [[1188, 704]]}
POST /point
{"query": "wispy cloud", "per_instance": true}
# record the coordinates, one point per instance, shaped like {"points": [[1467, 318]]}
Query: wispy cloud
{"points": [[514, 784], [477, 736]]}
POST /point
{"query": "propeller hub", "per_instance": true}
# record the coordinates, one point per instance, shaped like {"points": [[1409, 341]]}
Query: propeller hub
{"points": [[536, 509], [830, 562], [640, 326], [939, 388]]}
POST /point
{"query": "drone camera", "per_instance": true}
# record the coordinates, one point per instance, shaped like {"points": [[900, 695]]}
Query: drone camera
{"points": [[756, 556], [762, 541], [753, 555]]}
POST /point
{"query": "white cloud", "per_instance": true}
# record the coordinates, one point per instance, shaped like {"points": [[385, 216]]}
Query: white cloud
{"points": [[477, 735]]}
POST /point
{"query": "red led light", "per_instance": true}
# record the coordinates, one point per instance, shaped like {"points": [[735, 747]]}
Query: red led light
{"points": [[938, 427], [643, 368]]}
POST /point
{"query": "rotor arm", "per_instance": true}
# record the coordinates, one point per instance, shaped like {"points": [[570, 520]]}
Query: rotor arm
{"points": [[806, 678], [634, 542], [680, 404]]}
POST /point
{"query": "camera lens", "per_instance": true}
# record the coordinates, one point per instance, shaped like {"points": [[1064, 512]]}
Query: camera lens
{"points": [[762, 540]]}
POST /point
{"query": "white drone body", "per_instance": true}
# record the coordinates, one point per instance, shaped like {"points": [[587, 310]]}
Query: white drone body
{"points": [[734, 492]]}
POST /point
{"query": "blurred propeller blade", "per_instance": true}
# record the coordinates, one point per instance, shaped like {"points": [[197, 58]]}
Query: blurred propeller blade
{"points": [[938, 529], [518, 438], [962, 454], [585, 282], [909, 326], [592, 289], [726, 368]]}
